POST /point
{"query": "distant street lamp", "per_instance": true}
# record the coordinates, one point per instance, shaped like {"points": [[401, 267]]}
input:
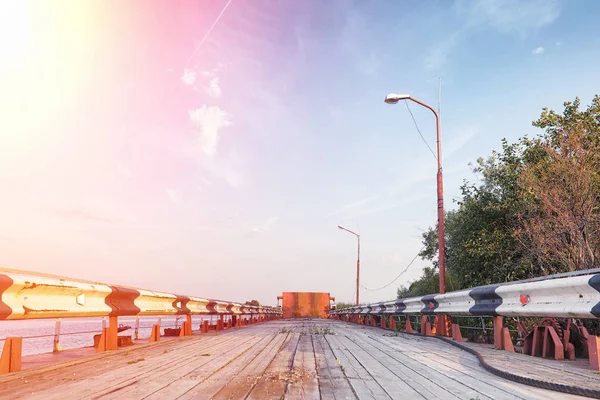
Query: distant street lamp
{"points": [[357, 260], [394, 98]]}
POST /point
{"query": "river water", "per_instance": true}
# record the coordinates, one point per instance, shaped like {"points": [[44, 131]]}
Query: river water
{"points": [[38, 335]]}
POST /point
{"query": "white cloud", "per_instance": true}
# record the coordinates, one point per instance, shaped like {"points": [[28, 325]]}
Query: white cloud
{"points": [[209, 121], [173, 195], [230, 169], [188, 77], [351, 207], [437, 57], [266, 226], [458, 142], [538, 50], [213, 89], [558, 43], [509, 16], [505, 16]]}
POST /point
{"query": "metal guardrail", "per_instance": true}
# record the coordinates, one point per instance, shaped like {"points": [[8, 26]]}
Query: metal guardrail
{"points": [[571, 296], [27, 295]]}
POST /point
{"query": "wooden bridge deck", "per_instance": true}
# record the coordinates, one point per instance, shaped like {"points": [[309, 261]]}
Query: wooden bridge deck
{"points": [[292, 359]]}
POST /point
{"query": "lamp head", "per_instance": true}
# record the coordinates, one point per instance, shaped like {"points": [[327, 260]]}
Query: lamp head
{"points": [[393, 98]]}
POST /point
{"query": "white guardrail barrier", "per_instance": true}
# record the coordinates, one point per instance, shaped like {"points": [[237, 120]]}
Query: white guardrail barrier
{"points": [[571, 295]]}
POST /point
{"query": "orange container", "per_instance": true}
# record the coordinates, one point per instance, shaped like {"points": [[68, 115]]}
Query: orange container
{"points": [[306, 304]]}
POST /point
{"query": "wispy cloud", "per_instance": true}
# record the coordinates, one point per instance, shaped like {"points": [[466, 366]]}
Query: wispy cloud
{"points": [[83, 213], [353, 206], [213, 89], [514, 17], [265, 227], [229, 168], [188, 77], [173, 195], [459, 141], [509, 16], [538, 50], [209, 121], [438, 55]]}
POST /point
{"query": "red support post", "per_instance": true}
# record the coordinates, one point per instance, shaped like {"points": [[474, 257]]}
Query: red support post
{"points": [[392, 323], [188, 329], [155, 334], [204, 327], [456, 335], [594, 352], [498, 325], [113, 330], [408, 327], [424, 324], [11, 355], [507, 343]]}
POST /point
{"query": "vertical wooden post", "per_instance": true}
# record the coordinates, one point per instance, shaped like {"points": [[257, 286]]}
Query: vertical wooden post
{"points": [[204, 326]]}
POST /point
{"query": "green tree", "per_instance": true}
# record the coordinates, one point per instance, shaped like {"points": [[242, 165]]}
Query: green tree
{"points": [[560, 226], [535, 209]]}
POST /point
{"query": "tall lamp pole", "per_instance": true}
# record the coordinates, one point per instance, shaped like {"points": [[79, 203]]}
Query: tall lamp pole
{"points": [[394, 98], [357, 261]]}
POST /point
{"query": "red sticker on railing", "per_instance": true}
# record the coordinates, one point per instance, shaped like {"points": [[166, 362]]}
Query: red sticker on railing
{"points": [[524, 299]]}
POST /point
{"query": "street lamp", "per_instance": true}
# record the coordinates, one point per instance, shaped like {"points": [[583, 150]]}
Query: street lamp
{"points": [[357, 260], [394, 98]]}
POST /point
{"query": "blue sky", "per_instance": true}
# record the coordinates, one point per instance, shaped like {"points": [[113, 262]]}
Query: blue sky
{"points": [[221, 166]]}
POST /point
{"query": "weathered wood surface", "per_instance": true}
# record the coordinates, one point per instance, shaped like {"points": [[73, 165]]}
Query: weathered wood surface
{"points": [[292, 359]]}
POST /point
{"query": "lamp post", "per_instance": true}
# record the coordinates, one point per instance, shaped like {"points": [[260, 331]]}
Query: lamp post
{"points": [[394, 98], [357, 261]]}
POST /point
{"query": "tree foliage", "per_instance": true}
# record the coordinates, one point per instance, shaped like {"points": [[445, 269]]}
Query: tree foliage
{"points": [[534, 211]]}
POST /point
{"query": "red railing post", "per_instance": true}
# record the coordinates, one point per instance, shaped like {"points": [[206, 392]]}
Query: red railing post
{"points": [[11, 355], [155, 334]]}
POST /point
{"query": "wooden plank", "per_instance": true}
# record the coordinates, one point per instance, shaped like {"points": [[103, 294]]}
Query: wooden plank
{"points": [[56, 378], [190, 386], [273, 382], [239, 378], [186, 374], [333, 383], [452, 368], [365, 385], [304, 383], [140, 370], [397, 379]]}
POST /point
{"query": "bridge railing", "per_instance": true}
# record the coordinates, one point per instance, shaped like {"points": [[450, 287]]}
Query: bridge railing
{"points": [[27, 295], [570, 296]]}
